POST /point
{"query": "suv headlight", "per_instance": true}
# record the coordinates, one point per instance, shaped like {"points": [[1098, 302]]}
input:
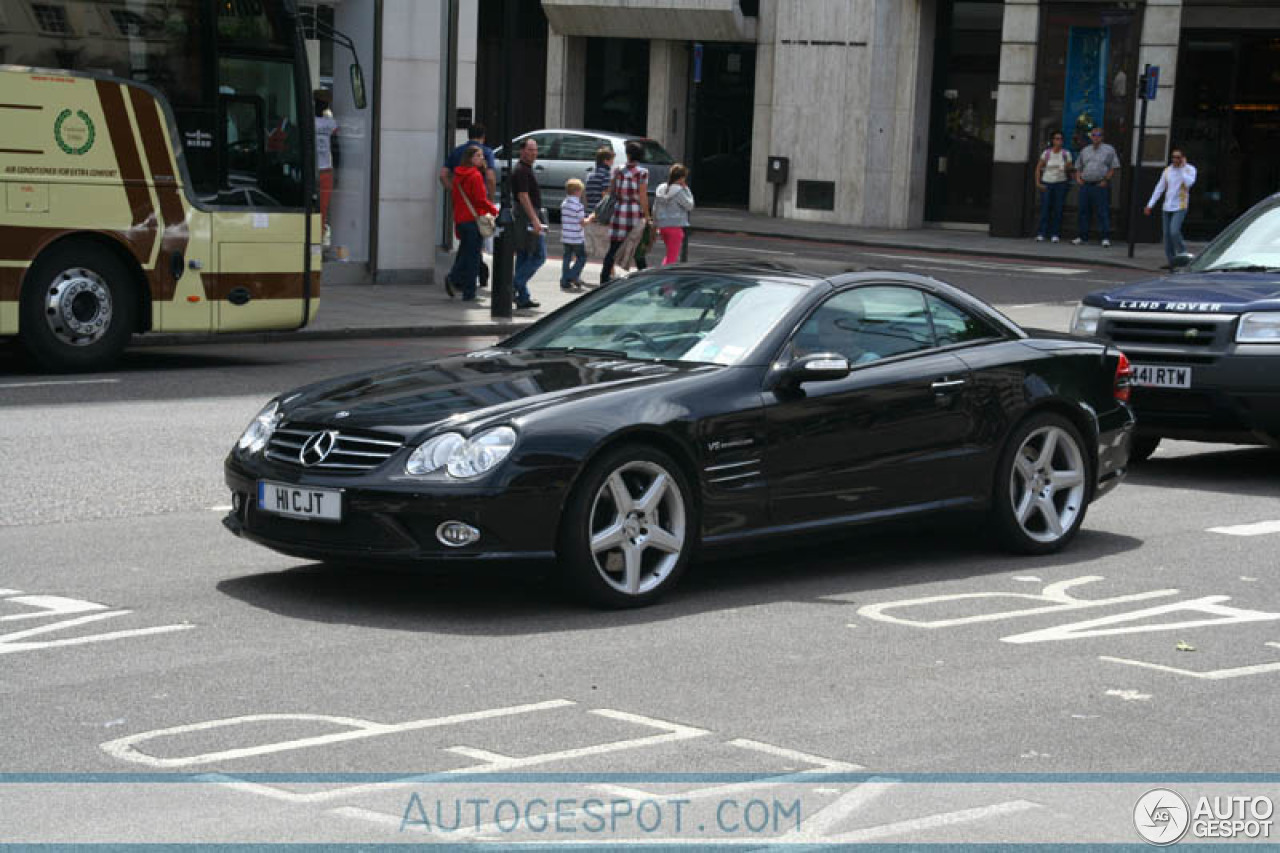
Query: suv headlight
{"points": [[1259, 327], [462, 458], [259, 431], [1085, 320]]}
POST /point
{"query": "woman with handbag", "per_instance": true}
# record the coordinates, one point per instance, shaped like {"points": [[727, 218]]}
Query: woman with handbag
{"points": [[473, 220], [630, 189]]}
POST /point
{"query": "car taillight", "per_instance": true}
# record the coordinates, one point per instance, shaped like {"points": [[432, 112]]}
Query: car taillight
{"points": [[1124, 378]]}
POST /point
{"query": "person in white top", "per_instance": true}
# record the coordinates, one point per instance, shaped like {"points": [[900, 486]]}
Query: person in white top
{"points": [[326, 127], [1175, 185], [1053, 183]]}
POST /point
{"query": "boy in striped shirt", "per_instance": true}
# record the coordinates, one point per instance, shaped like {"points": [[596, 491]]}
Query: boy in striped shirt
{"points": [[572, 212]]}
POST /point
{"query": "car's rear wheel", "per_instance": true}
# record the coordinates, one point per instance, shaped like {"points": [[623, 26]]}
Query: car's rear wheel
{"points": [[1042, 485], [78, 308], [1141, 447], [629, 528]]}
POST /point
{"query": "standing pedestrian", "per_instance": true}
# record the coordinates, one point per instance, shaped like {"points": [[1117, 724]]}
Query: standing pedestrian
{"points": [[326, 127], [1095, 167], [598, 179], [1052, 181], [469, 201], [573, 241], [630, 183], [475, 137], [1175, 185], [530, 236], [671, 205]]}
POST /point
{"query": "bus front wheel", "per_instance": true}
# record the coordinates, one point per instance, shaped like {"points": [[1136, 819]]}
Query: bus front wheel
{"points": [[78, 308]]}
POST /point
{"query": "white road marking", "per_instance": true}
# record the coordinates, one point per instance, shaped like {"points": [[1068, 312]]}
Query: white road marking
{"points": [[826, 765], [50, 605], [1260, 528], [226, 508], [732, 249], [1027, 579], [1129, 695], [919, 824], [12, 642], [60, 382], [816, 827], [1055, 594], [124, 748], [1103, 626], [985, 265], [1210, 675]]}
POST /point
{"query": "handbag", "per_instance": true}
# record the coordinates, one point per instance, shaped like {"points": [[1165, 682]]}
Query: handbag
{"points": [[604, 209], [485, 222]]}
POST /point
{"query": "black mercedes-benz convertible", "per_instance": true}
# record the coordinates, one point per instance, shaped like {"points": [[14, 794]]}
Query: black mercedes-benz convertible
{"points": [[686, 408]]}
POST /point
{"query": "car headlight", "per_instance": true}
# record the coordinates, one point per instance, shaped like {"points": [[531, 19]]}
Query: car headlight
{"points": [[1260, 327], [462, 458], [259, 431], [1085, 320]]}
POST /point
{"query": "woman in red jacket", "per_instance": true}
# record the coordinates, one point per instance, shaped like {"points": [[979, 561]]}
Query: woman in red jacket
{"points": [[468, 186]]}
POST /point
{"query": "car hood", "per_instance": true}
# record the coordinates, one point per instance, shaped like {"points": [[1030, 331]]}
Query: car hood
{"points": [[471, 390], [1196, 293]]}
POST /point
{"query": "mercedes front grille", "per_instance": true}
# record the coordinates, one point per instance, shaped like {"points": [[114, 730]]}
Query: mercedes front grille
{"points": [[346, 450]]}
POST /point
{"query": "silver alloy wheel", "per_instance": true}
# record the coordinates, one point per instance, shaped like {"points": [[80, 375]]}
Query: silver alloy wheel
{"points": [[1047, 484], [636, 529], [78, 307]]}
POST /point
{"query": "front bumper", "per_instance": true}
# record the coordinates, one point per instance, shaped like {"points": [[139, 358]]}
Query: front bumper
{"points": [[1234, 397], [396, 524]]}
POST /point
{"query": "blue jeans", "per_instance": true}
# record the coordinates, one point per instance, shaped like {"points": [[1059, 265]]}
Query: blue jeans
{"points": [[1094, 197], [571, 271], [467, 263], [1173, 245], [1051, 202], [528, 263]]}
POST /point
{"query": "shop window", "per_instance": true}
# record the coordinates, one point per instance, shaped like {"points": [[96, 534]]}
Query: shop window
{"points": [[816, 195]]}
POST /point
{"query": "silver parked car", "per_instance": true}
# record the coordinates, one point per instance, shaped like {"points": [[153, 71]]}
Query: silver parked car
{"points": [[565, 154]]}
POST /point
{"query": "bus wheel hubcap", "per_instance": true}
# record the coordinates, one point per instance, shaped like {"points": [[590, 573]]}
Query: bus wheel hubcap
{"points": [[78, 307]]}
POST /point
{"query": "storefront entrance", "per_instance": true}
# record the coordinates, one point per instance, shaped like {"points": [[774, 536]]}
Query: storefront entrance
{"points": [[963, 118], [1227, 121], [720, 124]]}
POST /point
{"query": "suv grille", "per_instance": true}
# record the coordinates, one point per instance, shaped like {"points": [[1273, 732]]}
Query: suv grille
{"points": [[351, 451], [1168, 330]]}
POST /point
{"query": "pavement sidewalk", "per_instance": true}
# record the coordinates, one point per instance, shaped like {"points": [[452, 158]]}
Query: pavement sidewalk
{"points": [[424, 309]]}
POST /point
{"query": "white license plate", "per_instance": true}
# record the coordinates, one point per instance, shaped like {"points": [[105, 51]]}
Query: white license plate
{"points": [[1162, 375], [297, 502]]}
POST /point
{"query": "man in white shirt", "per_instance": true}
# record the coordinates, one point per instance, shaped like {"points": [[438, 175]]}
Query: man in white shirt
{"points": [[1175, 185]]}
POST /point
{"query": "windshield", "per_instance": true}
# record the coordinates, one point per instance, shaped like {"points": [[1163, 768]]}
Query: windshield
{"points": [[673, 317], [1252, 241], [654, 153]]}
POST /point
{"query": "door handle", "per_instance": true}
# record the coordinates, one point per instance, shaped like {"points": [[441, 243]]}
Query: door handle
{"points": [[946, 386]]}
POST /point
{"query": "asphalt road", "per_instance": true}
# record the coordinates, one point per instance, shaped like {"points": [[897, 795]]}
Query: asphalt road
{"points": [[137, 636]]}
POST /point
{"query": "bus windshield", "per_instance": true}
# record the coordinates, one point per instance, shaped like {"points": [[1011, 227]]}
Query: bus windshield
{"points": [[231, 71]]}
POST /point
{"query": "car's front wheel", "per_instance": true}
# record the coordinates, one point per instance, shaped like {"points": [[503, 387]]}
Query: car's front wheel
{"points": [[1042, 485], [629, 528]]}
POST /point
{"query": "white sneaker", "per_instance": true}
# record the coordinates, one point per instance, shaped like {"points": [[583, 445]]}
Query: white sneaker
{"points": [[1077, 242], [1106, 244], [1054, 240], [1039, 238]]}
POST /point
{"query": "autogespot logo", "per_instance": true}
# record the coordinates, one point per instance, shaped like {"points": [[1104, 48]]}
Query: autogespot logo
{"points": [[1161, 817]]}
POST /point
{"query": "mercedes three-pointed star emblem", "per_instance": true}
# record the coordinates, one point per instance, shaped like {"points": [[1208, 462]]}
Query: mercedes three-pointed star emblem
{"points": [[318, 447]]}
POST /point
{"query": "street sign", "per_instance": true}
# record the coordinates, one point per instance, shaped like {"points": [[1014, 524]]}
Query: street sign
{"points": [[697, 62], [1150, 82]]}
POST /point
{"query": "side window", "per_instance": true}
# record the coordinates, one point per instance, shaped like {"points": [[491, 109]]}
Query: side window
{"points": [[951, 325], [547, 145], [866, 324], [580, 148]]}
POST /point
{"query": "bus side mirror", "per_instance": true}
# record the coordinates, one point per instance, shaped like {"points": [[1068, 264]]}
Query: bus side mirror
{"points": [[357, 86]]}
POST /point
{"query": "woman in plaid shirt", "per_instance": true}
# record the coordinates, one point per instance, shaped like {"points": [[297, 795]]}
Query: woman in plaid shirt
{"points": [[630, 185]]}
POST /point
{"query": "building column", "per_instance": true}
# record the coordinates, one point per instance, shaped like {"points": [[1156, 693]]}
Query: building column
{"points": [[761, 196], [1161, 27], [467, 60], [668, 94], [1015, 105], [566, 80], [410, 138]]}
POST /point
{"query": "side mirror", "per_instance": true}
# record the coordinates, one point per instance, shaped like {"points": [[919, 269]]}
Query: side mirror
{"points": [[357, 86], [816, 367], [1181, 259]]}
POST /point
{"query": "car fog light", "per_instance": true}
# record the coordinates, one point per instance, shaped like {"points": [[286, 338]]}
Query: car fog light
{"points": [[455, 534]]}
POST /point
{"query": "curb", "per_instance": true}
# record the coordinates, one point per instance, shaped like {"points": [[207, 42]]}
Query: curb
{"points": [[168, 339], [889, 244]]}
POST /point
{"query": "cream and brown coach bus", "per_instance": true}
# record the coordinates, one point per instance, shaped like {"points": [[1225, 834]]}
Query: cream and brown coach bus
{"points": [[156, 158]]}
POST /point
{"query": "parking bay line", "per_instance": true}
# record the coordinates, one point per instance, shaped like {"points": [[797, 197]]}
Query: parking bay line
{"points": [[1259, 528], [59, 382]]}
